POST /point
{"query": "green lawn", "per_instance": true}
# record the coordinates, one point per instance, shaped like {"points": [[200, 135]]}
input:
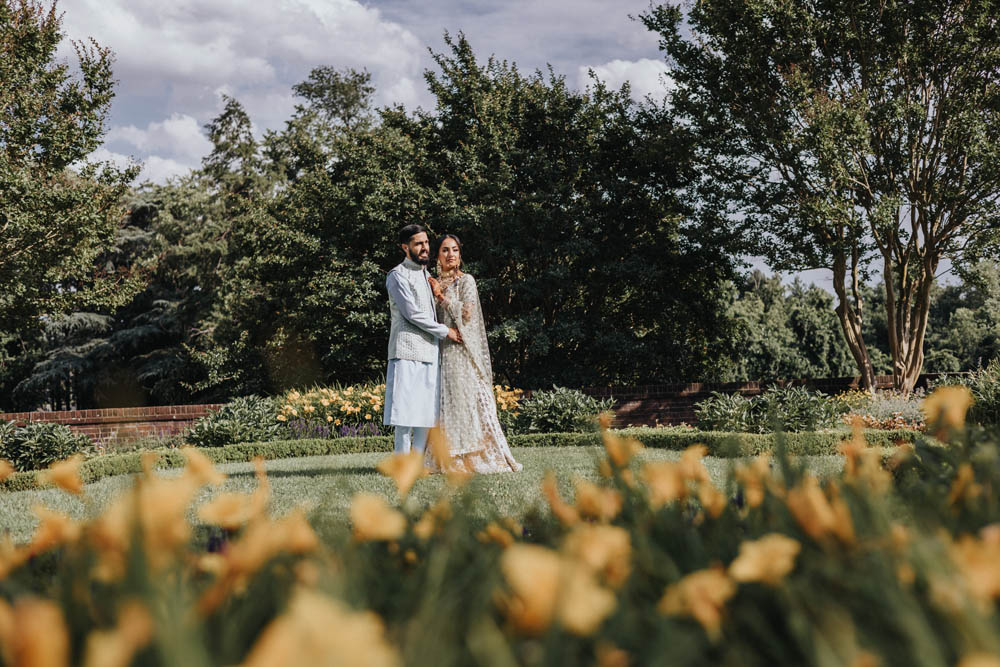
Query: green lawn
{"points": [[325, 484]]}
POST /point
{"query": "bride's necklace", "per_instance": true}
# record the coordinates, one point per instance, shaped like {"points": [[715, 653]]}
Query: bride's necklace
{"points": [[447, 278]]}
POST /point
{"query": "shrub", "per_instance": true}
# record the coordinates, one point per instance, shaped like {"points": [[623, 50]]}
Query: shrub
{"points": [[247, 419], [7, 430], [984, 384], [508, 407], [885, 409], [792, 409], [560, 410], [38, 444], [727, 412], [796, 409]]}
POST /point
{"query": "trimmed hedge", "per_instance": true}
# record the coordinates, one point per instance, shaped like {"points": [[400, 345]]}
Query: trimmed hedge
{"points": [[718, 443], [751, 444]]}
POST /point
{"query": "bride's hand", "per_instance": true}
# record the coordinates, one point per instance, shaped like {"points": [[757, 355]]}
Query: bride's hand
{"points": [[436, 288], [455, 335]]}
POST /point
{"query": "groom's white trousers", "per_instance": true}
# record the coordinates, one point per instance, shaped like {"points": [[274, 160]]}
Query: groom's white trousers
{"points": [[412, 397], [410, 437]]}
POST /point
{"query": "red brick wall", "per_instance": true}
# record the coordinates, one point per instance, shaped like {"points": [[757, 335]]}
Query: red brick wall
{"points": [[668, 404], [122, 424]]}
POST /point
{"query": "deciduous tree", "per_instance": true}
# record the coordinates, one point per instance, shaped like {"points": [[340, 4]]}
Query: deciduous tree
{"points": [[850, 136]]}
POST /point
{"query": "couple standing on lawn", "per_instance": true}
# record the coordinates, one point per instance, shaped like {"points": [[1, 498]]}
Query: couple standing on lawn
{"points": [[439, 360]]}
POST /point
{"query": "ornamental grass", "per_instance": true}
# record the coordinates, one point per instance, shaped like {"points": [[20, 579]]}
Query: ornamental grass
{"points": [[894, 562]]}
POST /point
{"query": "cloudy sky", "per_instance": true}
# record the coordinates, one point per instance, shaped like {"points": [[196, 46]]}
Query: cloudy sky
{"points": [[176, 58]]}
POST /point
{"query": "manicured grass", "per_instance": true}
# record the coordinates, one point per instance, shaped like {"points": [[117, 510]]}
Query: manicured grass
{"points": [[325, 485], [722, 444]]}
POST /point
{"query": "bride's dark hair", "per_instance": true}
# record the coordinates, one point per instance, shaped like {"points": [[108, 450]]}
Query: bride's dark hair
{"points": [[461, 251]]}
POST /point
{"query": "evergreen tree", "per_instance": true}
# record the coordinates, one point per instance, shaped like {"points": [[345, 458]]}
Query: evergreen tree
{"points": [[57, 211]]}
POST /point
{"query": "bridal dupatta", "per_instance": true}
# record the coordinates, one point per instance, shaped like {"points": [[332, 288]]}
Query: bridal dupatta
{"points": [[468, 406]]}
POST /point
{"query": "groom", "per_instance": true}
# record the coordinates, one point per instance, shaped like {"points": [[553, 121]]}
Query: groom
{"points": [[412, 383]]}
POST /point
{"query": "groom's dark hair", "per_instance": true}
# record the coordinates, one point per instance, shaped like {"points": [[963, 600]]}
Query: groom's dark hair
{"points": [[408, 232]]}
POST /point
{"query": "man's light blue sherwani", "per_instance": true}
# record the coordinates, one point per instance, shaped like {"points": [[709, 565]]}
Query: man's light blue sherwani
{"points": [[412, 384]]}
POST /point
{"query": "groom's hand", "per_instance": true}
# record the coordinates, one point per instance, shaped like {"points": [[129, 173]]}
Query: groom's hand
{"points": [[455, 335]]}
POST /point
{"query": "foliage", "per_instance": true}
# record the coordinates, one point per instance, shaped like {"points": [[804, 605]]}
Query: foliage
{"points": [[728, 412], [508, 406], [985, 386], [56, 222], [796, 409], [560, 410], [244, 419], [352, 406], [793, 409], [140, 353], [38, 444], [656, 563], [883, 409], [964, 329], [567, 205], [264, 270], [786, 332], [846, 136], [558, 195]]}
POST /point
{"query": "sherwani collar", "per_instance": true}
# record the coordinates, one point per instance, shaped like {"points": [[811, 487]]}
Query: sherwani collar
{"points": [[411, 265]]}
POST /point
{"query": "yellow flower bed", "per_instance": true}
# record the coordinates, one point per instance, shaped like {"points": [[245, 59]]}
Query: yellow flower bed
{"points": [[656, 564], [508, 400], [348, 406], [357, 405]]}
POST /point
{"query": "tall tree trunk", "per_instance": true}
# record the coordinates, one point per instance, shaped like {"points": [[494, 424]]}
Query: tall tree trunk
{"points": [[850, 315], [907, 304]]}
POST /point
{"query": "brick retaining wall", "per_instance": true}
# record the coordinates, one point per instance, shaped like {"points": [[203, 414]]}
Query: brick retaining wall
{"points": [[669, 404], [122, 424]]}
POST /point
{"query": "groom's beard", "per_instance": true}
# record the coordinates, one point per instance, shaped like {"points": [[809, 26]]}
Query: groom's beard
{"points": [[423, 261]]}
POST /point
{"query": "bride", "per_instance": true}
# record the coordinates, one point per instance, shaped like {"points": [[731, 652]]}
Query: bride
{"points": [[468, 407]]}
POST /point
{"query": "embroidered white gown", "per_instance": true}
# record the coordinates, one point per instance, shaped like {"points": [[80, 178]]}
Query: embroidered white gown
{"points": [[468, 406]]}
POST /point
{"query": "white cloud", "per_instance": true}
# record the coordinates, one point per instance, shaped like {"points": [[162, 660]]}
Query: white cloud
{"points": [[647, 77], [117, 159], [179, 135], [405, 91], [174, 59], [177, 55], [159, 169], [155, 168]]}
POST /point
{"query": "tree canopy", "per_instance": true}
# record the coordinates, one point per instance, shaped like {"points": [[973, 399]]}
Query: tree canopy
{"points": [[603, 233], [566, 206], [57, 211], [848, 136]]}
